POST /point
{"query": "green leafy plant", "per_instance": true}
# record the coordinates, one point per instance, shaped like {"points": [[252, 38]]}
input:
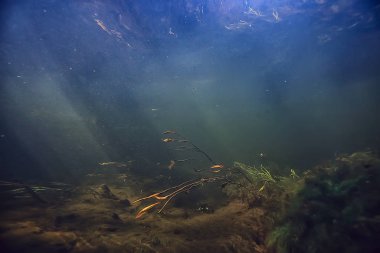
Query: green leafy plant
{"points": [[260, 175]]}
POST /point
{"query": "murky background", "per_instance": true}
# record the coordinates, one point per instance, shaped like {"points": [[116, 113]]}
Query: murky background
{"points": [[84, 82]]}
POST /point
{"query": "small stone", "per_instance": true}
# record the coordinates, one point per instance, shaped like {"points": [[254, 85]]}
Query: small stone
{"points": [[105, 192], [115, 216]]}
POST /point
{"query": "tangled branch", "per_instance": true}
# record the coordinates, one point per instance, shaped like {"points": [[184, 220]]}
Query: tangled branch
{"points": [[171, 192]]}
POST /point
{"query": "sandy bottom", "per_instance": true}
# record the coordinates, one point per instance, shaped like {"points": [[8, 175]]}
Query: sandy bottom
{"points": [[85, 221]]}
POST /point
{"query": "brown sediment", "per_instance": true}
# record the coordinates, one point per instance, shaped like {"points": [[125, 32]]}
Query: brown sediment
{"points": [[93, 229], [86, 224], [83, 222]]}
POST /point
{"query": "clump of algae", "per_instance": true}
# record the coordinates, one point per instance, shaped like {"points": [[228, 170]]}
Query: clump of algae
{"points": [[330, 208], [335, 209]]}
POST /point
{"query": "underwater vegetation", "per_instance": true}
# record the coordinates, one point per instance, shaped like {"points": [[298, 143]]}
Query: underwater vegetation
{"points": [[260, 174], [258, 187], [336, 209], [332, 207]]}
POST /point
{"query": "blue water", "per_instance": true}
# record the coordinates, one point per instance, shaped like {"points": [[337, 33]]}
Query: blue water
{"points": [[83, 82]]}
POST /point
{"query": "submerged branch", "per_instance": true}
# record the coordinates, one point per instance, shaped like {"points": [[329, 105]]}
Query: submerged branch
{"points": [[183, 139], [164, 200]]}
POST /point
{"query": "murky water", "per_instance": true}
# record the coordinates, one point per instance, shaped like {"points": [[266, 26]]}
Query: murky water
{"points": [[87, 89]]}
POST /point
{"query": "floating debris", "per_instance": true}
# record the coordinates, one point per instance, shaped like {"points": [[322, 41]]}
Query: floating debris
{"points": [[171, 165], [113, 32], [114, 164], [252, 11], [276, 16], [182, 160], [217, 166], [168, 132], [239, 25], [168, 140], [182, 148], [261, 155]]}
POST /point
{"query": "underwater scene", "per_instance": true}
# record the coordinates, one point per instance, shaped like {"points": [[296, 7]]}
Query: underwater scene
{"points": [[235, 126]]}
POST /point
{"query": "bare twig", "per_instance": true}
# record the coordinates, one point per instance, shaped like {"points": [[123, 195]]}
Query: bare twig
{"points": [[173, 191]]}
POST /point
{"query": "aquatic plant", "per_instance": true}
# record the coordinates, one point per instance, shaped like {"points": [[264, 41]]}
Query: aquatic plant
{"points": [[335, 209], [254, 175], [279, 239], [290, 184], [264, 175], [293, 174]]}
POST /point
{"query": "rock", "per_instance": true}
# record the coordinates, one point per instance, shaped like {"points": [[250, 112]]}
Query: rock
{"points": [[115, 216], [125, 202], [105, 192]]}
